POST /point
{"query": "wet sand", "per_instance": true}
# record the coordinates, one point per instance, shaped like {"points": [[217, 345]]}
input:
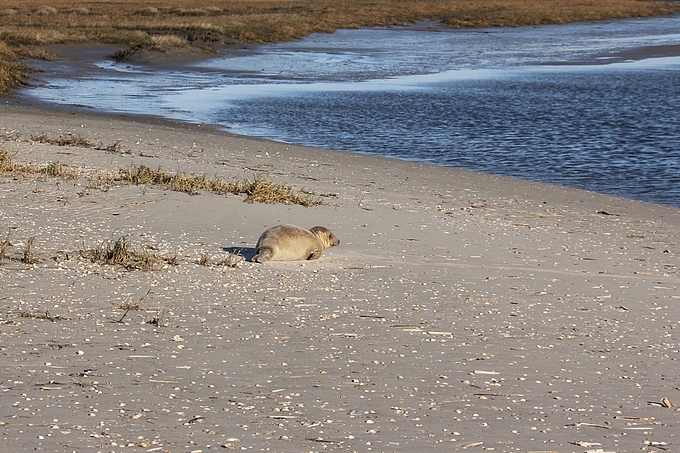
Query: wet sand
{"points": [[461, 311]]}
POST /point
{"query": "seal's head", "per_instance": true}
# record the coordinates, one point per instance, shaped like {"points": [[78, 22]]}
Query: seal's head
{"points": [[326, 236]]}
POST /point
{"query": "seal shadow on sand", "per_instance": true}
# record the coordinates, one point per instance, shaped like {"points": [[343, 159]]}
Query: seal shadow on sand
{"points": [[247, 252]]}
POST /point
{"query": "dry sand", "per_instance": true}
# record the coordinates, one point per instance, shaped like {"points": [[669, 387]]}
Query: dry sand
{"points": [[461, 311]]}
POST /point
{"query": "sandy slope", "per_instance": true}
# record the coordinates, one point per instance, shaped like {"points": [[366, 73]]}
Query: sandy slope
{"points": [[460, 312]]}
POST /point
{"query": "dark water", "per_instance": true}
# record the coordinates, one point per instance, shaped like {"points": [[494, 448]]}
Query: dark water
{"points": [[515, 102], [595, 130]]}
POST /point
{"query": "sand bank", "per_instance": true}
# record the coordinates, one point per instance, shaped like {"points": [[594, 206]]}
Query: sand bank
{"points": [[461, 311]]}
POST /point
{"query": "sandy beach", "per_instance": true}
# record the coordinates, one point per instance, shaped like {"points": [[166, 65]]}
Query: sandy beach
{"points": [[460, 312]]}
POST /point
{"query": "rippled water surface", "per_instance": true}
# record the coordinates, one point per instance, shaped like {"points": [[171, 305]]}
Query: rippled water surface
{"points": [[561, 104]]}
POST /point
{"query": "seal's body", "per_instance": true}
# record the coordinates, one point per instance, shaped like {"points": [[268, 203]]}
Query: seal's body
{"points": [[291, 243]]}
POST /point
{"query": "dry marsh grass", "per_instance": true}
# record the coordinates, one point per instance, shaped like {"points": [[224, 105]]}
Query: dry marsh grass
{"points": [[233, 260], [158, 319], [28, 23], [8, 167], [257, 189], [12, 73], [164, 43], [4, 247], [68, 140], [75, 141], [129, 304], [121, 253], [59, 170], [30, 256], [46, 315]]}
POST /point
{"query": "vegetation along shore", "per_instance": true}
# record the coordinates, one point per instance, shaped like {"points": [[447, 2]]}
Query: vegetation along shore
{"points": [[28, 26]]}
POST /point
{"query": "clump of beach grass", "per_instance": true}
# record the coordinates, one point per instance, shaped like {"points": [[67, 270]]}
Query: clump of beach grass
{"points": [[12, 74], [263, 190], [257, 189], [128, 305], [120, 252], [59, 170], [233, 260], [153, 42], [204, 260], [7, 52], [40, 315], [6, 163], [75, 141], [30, 256], [164, 43], [158, 319], [174, 259], [51, 169], [126, 52], [4, 247]]}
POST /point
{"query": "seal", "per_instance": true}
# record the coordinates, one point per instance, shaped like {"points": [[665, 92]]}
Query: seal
{"points": [[291, 243]]}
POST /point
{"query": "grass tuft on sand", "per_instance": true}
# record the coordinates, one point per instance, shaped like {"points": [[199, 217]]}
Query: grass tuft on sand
{"points": [[120, 252], [46, 315], [30, 256], [257, 189], [75, 141], [129, 305], [4, 247], [8, 167]]}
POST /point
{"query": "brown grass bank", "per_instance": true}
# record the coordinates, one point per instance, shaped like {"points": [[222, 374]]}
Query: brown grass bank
{"points": [[25, 25]]}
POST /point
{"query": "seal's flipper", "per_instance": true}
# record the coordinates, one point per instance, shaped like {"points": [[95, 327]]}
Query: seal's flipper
{"points": [[263, 254]]}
